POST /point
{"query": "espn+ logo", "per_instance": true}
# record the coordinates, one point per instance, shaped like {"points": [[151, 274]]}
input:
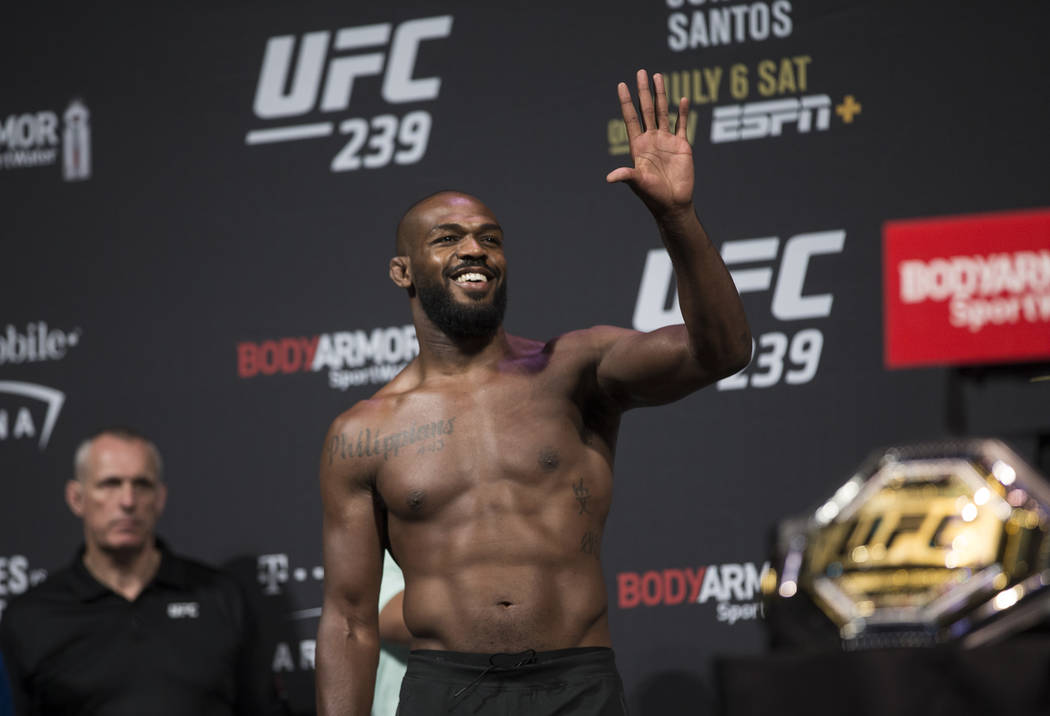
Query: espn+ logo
{"points": [[324, 82], [757, 120]]}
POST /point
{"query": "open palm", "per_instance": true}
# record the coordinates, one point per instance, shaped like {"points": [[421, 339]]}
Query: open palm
{"points": [[662, 175]]}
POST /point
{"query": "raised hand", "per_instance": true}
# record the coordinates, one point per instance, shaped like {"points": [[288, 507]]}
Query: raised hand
{"points": [[662, 175]]}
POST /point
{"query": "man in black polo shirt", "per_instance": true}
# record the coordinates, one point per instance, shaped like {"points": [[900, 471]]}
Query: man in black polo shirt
{"points": [[129, 627]]}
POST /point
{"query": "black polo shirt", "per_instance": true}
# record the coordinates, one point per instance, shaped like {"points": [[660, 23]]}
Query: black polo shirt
{"points": [[185, 646]]}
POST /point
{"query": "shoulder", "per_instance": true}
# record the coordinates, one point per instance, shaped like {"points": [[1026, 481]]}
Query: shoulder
{"points": [[200, 573], [598, 337], [208, 599], [352, 448], [208, 582], [372, 412], [355, 429], [364, 412], [587, 345]]}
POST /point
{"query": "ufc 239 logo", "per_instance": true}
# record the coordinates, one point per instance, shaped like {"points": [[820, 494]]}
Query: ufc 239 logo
{"points": [[317, 72], [777, 357]]}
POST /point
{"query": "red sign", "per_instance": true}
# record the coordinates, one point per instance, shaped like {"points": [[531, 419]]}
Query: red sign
{"points": [[967, 289]]}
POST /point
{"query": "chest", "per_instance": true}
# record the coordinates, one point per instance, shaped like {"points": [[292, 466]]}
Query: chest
{"points": [[509, 439]]}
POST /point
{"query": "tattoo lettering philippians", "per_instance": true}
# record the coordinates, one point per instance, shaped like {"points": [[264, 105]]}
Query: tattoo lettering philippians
{"points": [[371, 443], [591, 543], [582, 495]]}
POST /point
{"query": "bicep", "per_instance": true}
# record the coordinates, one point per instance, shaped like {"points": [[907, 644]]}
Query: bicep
{"points": [[352, 545], [636, 369], [348, 631], [351, 532]]}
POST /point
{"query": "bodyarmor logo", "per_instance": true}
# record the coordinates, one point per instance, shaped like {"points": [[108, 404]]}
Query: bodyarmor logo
{"points": [[733, 587], [373, 142], [76, 143], [18, 423], [31, 140], [352, 358]]}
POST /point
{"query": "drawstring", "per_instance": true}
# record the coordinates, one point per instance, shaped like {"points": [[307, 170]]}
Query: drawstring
{"points": [[526, 657]]}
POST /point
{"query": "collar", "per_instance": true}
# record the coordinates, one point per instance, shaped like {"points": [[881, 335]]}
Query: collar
{"points": [[172, 570], [170, 573]]}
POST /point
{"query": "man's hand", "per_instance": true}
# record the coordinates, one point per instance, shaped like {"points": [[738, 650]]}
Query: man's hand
{"points": [[714, 341], [662, 176]]}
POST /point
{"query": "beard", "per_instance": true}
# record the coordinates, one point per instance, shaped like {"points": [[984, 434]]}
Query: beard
{"points": [[462, 320]]}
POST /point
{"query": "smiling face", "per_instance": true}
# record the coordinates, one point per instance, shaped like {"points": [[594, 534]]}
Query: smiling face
{"points": [[119, 495], [452, 256]]}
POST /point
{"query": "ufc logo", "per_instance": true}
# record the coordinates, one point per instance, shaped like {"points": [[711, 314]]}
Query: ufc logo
{"points": [[790, 303], [756, 120], [282, 93], [183, 610]]}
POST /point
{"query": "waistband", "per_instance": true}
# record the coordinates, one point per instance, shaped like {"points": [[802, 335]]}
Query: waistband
{"points": [[527, 667]]}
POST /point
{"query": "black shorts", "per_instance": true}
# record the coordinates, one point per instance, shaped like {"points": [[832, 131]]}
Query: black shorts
{"points": [[576, 682]]}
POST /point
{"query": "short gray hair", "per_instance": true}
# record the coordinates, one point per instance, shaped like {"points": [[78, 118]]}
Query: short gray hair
{"points": [[80, 458]]}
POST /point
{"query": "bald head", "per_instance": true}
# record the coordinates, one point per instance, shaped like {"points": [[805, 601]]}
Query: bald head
{"points": [[82, 457], [409, 229]]}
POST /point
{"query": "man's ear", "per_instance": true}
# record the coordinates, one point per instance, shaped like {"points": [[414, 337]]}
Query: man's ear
{"points": [[401, 271], [75, 497]]}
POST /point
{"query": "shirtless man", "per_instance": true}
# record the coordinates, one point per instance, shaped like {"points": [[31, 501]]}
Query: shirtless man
{"points": [[486, 464]]}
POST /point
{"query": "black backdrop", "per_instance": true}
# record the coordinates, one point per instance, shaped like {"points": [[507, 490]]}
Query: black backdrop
{"points": [[159, 280]]}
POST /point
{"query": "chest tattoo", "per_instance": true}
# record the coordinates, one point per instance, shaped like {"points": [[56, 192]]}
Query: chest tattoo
{"points": [[582, 496], [375, 443]]}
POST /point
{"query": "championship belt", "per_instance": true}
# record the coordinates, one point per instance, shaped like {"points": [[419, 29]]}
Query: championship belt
{"points": [[925, 544]]}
